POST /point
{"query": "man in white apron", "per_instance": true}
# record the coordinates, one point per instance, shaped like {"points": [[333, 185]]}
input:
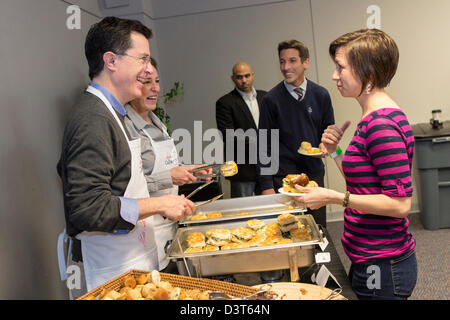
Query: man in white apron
{"points": [[106, 201]]}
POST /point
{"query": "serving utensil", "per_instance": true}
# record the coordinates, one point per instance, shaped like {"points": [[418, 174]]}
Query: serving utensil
{"points": [[212, 166], [333, 294], [208, 201], [199, 188]]}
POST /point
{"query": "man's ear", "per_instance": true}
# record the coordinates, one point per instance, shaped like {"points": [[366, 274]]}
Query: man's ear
{"points": [[110, 59], [306, 63]]}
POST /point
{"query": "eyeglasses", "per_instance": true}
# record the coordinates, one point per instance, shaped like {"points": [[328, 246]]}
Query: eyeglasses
{"points": [[145, 60]]}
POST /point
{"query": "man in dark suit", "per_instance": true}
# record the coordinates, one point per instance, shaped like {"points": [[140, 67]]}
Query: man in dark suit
{"points": [[239, 109]]}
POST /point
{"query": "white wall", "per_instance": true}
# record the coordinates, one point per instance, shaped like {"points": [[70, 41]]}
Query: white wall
{"points": [[201, 49], [43, 71]]}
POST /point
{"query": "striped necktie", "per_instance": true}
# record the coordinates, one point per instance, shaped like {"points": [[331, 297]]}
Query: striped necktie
{"points": [[300, 92]]}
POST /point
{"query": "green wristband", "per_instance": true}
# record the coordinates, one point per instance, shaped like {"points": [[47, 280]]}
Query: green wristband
{"points": [[336, 153]]}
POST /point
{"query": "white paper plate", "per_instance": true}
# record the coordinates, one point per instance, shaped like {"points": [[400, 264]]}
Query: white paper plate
{"points": [[292, 194], [311, 154]]}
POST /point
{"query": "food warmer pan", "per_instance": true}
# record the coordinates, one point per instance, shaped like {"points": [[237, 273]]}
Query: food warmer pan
{"points": [[252, 259], [246, 208]]}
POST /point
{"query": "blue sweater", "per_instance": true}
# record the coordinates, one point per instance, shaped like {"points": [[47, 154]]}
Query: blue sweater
{"points": [[297, 121]]}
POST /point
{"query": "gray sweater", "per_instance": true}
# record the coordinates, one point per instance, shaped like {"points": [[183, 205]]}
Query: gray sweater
{"points": [[95, 167]]}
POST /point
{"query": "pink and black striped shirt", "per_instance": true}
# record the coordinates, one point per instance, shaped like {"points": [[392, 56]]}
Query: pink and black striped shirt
{"points": [[378, 161]]}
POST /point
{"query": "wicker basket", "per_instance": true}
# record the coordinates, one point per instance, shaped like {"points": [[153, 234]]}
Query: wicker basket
{"points": [[183, 282]]}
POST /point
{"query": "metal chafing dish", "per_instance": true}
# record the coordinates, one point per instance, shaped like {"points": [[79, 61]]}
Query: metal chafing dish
{"points": [[253, 259], [255, 207]]}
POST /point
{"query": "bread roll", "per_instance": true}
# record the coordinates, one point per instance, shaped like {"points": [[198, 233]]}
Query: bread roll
{"points": [[174, 294], [149, 290], [154, 277], [129, 282], [134, 294], [161, 294], [142, 279]]}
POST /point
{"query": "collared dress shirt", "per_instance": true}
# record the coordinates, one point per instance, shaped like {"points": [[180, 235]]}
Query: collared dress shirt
{"points": [[252, 103], [291, 88]]}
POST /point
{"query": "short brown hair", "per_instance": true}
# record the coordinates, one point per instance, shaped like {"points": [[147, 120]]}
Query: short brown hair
{"points": [[372, 54], [303, 51]]}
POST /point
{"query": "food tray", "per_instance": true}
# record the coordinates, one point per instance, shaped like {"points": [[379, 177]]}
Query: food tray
{"points": [[176, 281], [252, 259], [256, 206]]}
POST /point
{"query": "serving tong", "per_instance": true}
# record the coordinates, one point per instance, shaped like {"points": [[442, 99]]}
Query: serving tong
{"points": [[199, 188], [213, 166], [208, 201], [258, 295], [211, 175], [333, 294]]}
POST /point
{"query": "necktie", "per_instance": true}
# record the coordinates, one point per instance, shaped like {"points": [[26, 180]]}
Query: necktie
{"points": [[299, 91]]}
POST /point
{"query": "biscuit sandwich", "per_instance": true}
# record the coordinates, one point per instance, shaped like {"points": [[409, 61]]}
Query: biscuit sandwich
{"points": [[229, 169], [218, 237], [272, 229], [241, 234], [256, 225], [196, 240], [287, 221], [306, 147]]}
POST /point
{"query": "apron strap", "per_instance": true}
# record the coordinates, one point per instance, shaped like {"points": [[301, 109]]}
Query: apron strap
{"points": [[62, 263], [100, 95]]}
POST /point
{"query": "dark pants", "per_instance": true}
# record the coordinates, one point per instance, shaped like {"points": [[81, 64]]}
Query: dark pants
{"points": [[385, 279], [171, 268], [243, 189], [319, 215]]}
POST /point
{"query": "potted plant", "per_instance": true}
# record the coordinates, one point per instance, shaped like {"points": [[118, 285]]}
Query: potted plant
{"points": [[168, 98]]}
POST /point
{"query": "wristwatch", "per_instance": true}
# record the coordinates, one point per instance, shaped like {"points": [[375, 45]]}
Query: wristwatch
{"points": [[336, 153]]}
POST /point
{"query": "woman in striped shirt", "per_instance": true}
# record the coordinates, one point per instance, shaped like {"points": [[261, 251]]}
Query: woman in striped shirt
{"points": [[377, 169]]}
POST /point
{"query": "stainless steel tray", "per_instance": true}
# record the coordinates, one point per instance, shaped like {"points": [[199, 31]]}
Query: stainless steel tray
{"points": [[252, 259], [257, 206]]}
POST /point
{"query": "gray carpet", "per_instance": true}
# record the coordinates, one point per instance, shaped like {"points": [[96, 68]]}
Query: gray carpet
{"points": [[433, 258]]}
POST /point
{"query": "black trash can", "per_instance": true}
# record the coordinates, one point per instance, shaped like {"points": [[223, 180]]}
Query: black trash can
{"points": [[432, 153]]}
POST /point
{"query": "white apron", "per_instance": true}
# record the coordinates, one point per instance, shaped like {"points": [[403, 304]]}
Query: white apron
{"points": [[105, 256], [166, 158]]}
